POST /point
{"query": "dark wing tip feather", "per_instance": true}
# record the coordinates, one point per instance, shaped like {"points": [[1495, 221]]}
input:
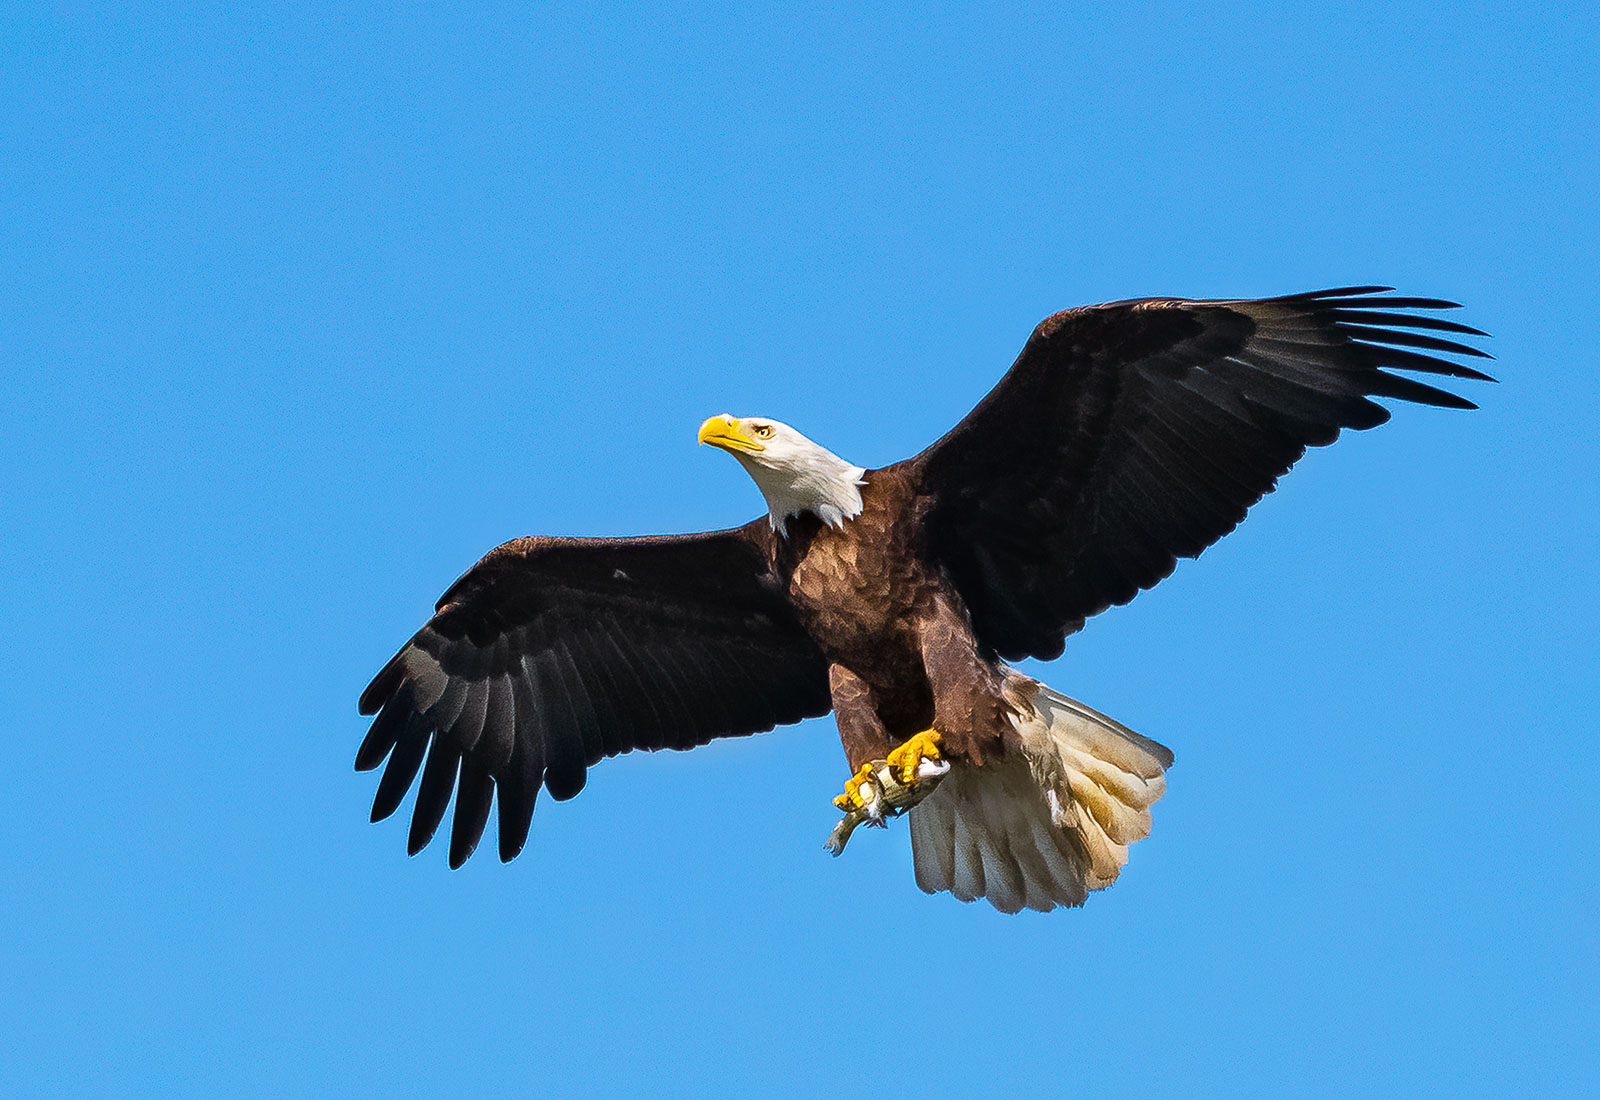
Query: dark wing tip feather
{"points": [[1332, 292], [386, 731], [433, 795], [1406, 320], [1406, 303], [1400, 359], [1407, 389], [512, 841], [474, 797], [383, 685], [404, 763], [1389, 335], [1429, 365], [519, 793]]}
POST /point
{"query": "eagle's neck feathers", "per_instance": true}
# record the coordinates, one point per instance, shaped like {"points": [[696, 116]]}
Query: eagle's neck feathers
{"points": [[818, 481]]}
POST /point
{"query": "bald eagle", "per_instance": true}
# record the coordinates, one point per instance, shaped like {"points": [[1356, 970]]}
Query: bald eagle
{"points": [[1124, 437]]}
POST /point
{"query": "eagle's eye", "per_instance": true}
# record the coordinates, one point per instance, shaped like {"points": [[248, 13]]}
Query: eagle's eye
{"points": [[763, 431]]}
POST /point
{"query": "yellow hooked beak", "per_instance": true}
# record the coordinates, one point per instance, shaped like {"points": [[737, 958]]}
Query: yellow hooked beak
{"points": [[726, 432]]}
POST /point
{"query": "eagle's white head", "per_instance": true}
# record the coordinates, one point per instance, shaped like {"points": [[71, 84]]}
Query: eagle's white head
{"points": [[793, 473]]}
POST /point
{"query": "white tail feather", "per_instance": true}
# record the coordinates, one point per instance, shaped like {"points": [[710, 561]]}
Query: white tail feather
{"points": [[1041, 828]]}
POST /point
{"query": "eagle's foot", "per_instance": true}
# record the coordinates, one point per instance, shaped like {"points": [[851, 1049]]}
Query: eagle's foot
{"points": [[882, 789], [860, 790], [918, 759]]}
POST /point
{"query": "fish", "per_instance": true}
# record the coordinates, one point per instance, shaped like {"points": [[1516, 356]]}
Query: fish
{"points": [[883, 796]]}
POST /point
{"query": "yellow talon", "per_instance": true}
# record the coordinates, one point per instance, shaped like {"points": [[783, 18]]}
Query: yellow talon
{"points": [[851, 799], [906, 758]]}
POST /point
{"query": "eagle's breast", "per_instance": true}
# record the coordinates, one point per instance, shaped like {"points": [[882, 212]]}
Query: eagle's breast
{"points": [[858, 587]]}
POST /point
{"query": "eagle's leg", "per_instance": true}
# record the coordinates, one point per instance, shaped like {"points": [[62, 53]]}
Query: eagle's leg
{"points": [[967, 698], [861, 731], [865, 740]]}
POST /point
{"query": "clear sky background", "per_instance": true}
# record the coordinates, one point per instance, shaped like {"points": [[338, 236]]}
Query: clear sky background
{"points": [[299, 315]]}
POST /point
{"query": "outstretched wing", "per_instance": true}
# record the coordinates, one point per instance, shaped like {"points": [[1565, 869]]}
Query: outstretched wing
{"points": [[1129, 435], [552, 653]]}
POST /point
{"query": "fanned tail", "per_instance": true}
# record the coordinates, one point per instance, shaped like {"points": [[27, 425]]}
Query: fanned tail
{"points": [[1041, 828]]}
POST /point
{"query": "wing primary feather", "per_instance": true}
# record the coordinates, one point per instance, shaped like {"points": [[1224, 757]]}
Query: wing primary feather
{"points": [[1211, 389], [1279, 398], [474, 797], [1368, 357], [1277, 343], [1323, 400], [468, 726], [383, 685], [1424, 364], [387, 729], [1336, 292], [443, 714], [1304, 373], [1405, 320], [499, 724], [433, 794], [428, 680], [1374, 334], [518, 782], [1407, 389], [403, 765], [1393, 303]]}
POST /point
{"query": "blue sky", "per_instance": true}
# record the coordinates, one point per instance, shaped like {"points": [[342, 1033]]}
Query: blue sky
{"points": [[303, 313]]}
